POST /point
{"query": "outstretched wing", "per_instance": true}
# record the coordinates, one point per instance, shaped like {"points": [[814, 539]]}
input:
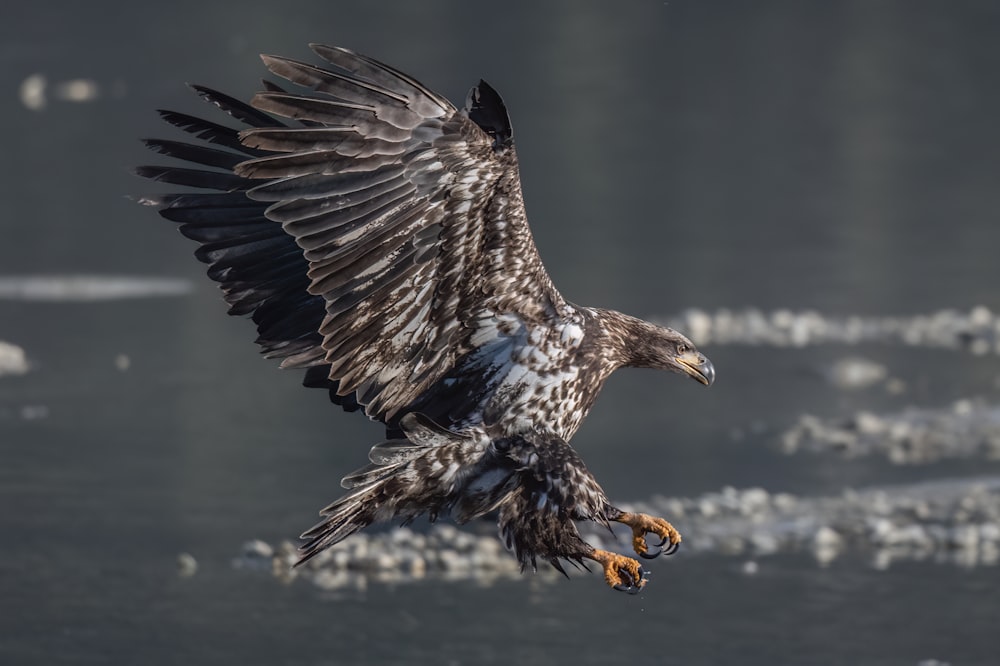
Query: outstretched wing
{"points": [[377, 241]]}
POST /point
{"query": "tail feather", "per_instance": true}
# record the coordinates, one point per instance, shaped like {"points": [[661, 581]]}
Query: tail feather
{"points": [[425, 473], [343, 518], [368, 475]]}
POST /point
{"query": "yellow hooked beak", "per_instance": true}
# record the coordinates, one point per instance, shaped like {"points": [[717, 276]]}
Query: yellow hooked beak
{"points": [[696, 366]]}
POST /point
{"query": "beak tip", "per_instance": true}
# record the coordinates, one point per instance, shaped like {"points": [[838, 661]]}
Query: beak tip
{"points": [[703, 371], [697, 367], [708, 372]]}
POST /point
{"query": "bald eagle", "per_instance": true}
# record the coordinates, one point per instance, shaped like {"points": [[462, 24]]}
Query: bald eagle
{"points": [[377, 237]]}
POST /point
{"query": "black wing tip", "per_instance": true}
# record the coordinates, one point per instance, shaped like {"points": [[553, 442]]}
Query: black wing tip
{"points": [[149, 171], [485, 107]]}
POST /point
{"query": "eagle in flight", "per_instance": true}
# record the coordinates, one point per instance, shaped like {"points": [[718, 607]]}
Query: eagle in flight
{"points": [[377, 237]]}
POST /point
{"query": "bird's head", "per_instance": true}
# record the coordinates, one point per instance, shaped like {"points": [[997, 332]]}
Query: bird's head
{"points": [[670, 350], [647, 345]]}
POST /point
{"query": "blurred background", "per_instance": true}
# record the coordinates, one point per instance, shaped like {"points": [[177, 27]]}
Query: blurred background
{"points": [[812, 187]]}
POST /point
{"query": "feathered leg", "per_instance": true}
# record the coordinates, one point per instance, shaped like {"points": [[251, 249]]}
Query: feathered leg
{"points": [[554, 489]]}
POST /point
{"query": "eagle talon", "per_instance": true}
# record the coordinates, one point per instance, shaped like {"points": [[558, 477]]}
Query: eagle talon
{"points": [[620, 572], [629, 589], [642, 525], [632, 586], [672, 547]]}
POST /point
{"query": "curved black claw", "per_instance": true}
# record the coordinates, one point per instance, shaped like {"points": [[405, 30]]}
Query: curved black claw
{"points": [[633, 586], [652, 553], [629, 581]]}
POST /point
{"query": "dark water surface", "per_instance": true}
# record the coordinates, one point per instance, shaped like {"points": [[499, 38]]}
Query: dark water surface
{"points": [[840, 156]]}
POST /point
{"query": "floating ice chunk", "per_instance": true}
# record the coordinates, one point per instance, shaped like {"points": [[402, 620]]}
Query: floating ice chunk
{"points": [[35, 91], [856, 373], [88, 287], [13, 360], [32, 92], [977, 330]]}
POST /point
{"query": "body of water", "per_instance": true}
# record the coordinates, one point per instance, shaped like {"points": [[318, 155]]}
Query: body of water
{"points": [[837, 157]]}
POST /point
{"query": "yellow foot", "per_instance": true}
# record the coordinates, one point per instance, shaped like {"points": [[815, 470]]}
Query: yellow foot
{"points": [[642, 525], [621, 572]]}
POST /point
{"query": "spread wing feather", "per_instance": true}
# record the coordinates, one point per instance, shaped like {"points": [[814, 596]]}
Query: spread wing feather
{"points": [[260, 267], [369, 238]]}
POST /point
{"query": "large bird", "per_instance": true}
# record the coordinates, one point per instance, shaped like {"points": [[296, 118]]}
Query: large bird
{"points": [[378, 239]]}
